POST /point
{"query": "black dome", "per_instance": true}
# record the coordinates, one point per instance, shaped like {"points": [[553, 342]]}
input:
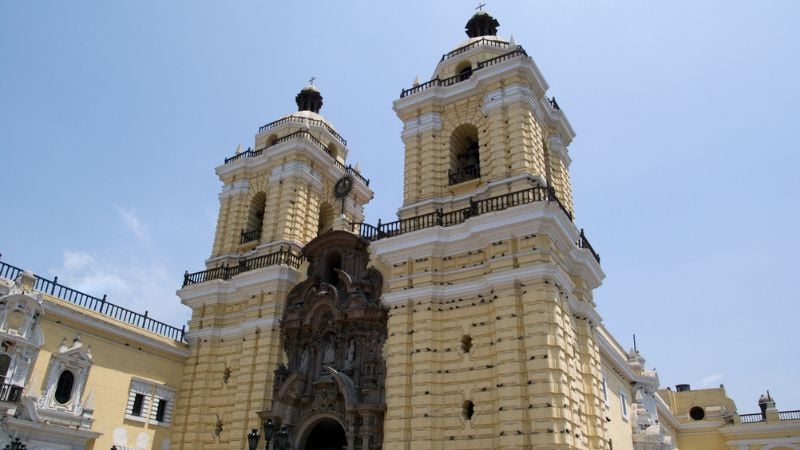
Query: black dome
{"points": [[309, 99], [482, 24]]}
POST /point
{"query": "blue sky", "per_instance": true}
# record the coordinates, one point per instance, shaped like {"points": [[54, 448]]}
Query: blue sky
{"points": [[113, 116]]}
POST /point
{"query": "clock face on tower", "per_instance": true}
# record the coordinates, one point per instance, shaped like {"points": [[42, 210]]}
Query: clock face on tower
{"points": [[343, 186]]}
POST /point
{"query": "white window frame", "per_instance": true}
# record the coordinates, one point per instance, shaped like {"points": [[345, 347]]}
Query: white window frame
{"points": [[605, 389], [623, 404], [152, 392]]}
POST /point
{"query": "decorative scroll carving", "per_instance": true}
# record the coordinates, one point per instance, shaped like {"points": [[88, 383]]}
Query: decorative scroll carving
{"points": [[333, 329]]}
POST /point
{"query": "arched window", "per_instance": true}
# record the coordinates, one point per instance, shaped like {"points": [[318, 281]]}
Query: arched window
{"points": [[464, 70], [64, 387], [255, 218], [464, 154], [333, 262], [332, 150], [272, 140], [326, 216]]}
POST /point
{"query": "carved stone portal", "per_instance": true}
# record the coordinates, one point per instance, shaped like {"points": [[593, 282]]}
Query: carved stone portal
{"points": [[333, 331]]}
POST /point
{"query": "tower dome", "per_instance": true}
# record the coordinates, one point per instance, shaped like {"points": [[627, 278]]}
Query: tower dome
{"points": [[481, 24], [309, 99]]}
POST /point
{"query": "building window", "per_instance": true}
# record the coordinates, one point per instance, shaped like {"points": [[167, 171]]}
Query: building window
{"points": [[64, 387], [138, 401], [623, 403], [605, 389], [161, 410], [151, 402]]}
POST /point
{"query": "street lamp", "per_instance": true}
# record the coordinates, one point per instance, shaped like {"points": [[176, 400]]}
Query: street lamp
{"points": [[252, 439], [269, 429], [282, 441]]}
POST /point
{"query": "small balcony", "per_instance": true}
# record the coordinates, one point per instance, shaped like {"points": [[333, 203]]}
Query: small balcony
{"points": [[249, 236], [467, 173]]}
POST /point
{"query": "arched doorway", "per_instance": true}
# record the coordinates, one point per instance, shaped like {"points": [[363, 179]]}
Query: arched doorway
{"points": [[327, 434]]}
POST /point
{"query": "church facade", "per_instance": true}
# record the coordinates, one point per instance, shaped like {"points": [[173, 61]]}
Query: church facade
{"points": [[469, 322]]}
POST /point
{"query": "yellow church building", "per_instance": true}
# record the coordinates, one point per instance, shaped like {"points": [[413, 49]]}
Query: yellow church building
{"points": [[469, 322]]}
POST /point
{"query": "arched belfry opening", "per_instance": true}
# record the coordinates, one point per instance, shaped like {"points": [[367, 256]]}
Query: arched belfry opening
{"points": [[255, 218], [330, 391], [464, 154]]}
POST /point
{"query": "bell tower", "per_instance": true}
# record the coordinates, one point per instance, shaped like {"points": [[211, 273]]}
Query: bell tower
{"points": [[492, 325], [283, 192], [291, 186], [481, 126]]}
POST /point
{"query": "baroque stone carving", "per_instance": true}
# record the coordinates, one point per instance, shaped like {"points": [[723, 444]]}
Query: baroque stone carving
{"points": [[333, 329]]}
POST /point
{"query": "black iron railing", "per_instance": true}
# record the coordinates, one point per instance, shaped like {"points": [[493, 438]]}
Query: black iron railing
{"points": [[225, 272], [10, 393], [482, 42], [249, 236], [789, 415], [461, 77], [99, 305], [475, 208], [465, 174], [751, 418], [303, 121], [250, 153]]}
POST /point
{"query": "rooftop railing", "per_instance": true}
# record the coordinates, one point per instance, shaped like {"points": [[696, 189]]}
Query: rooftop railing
{"points": [[789, 415], [519, 51], [99, 305], [303, 121], [458, 216], [225, 272], [751, 418], [302, 134], [482, 42]]}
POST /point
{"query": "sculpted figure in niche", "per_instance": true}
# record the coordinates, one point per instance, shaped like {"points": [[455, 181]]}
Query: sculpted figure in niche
{"points": [[351, 356], [303, 367], [328, 356]]}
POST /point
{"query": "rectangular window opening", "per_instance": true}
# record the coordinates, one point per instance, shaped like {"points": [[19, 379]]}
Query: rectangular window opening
{"points": [[161, 410], [138, 402]]}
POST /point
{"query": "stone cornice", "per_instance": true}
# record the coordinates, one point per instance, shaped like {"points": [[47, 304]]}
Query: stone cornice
{"points": [[100, 324], [479, 232]]}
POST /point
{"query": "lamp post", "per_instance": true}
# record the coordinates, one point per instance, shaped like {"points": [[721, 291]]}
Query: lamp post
{"points": [[269, 429], [282, 441], [252, 439]]}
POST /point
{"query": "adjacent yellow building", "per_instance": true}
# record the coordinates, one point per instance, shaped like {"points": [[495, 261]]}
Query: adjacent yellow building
{"points": [[469, 322]]}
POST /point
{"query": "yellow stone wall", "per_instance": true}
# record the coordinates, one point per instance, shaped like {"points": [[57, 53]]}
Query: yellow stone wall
{"points": [[117, 359], [619, 425], [532, 372], [237, 330]]}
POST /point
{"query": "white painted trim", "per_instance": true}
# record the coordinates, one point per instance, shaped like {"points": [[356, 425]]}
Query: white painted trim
{"points": [[430, 121], [480, 231], [241, 329]]}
